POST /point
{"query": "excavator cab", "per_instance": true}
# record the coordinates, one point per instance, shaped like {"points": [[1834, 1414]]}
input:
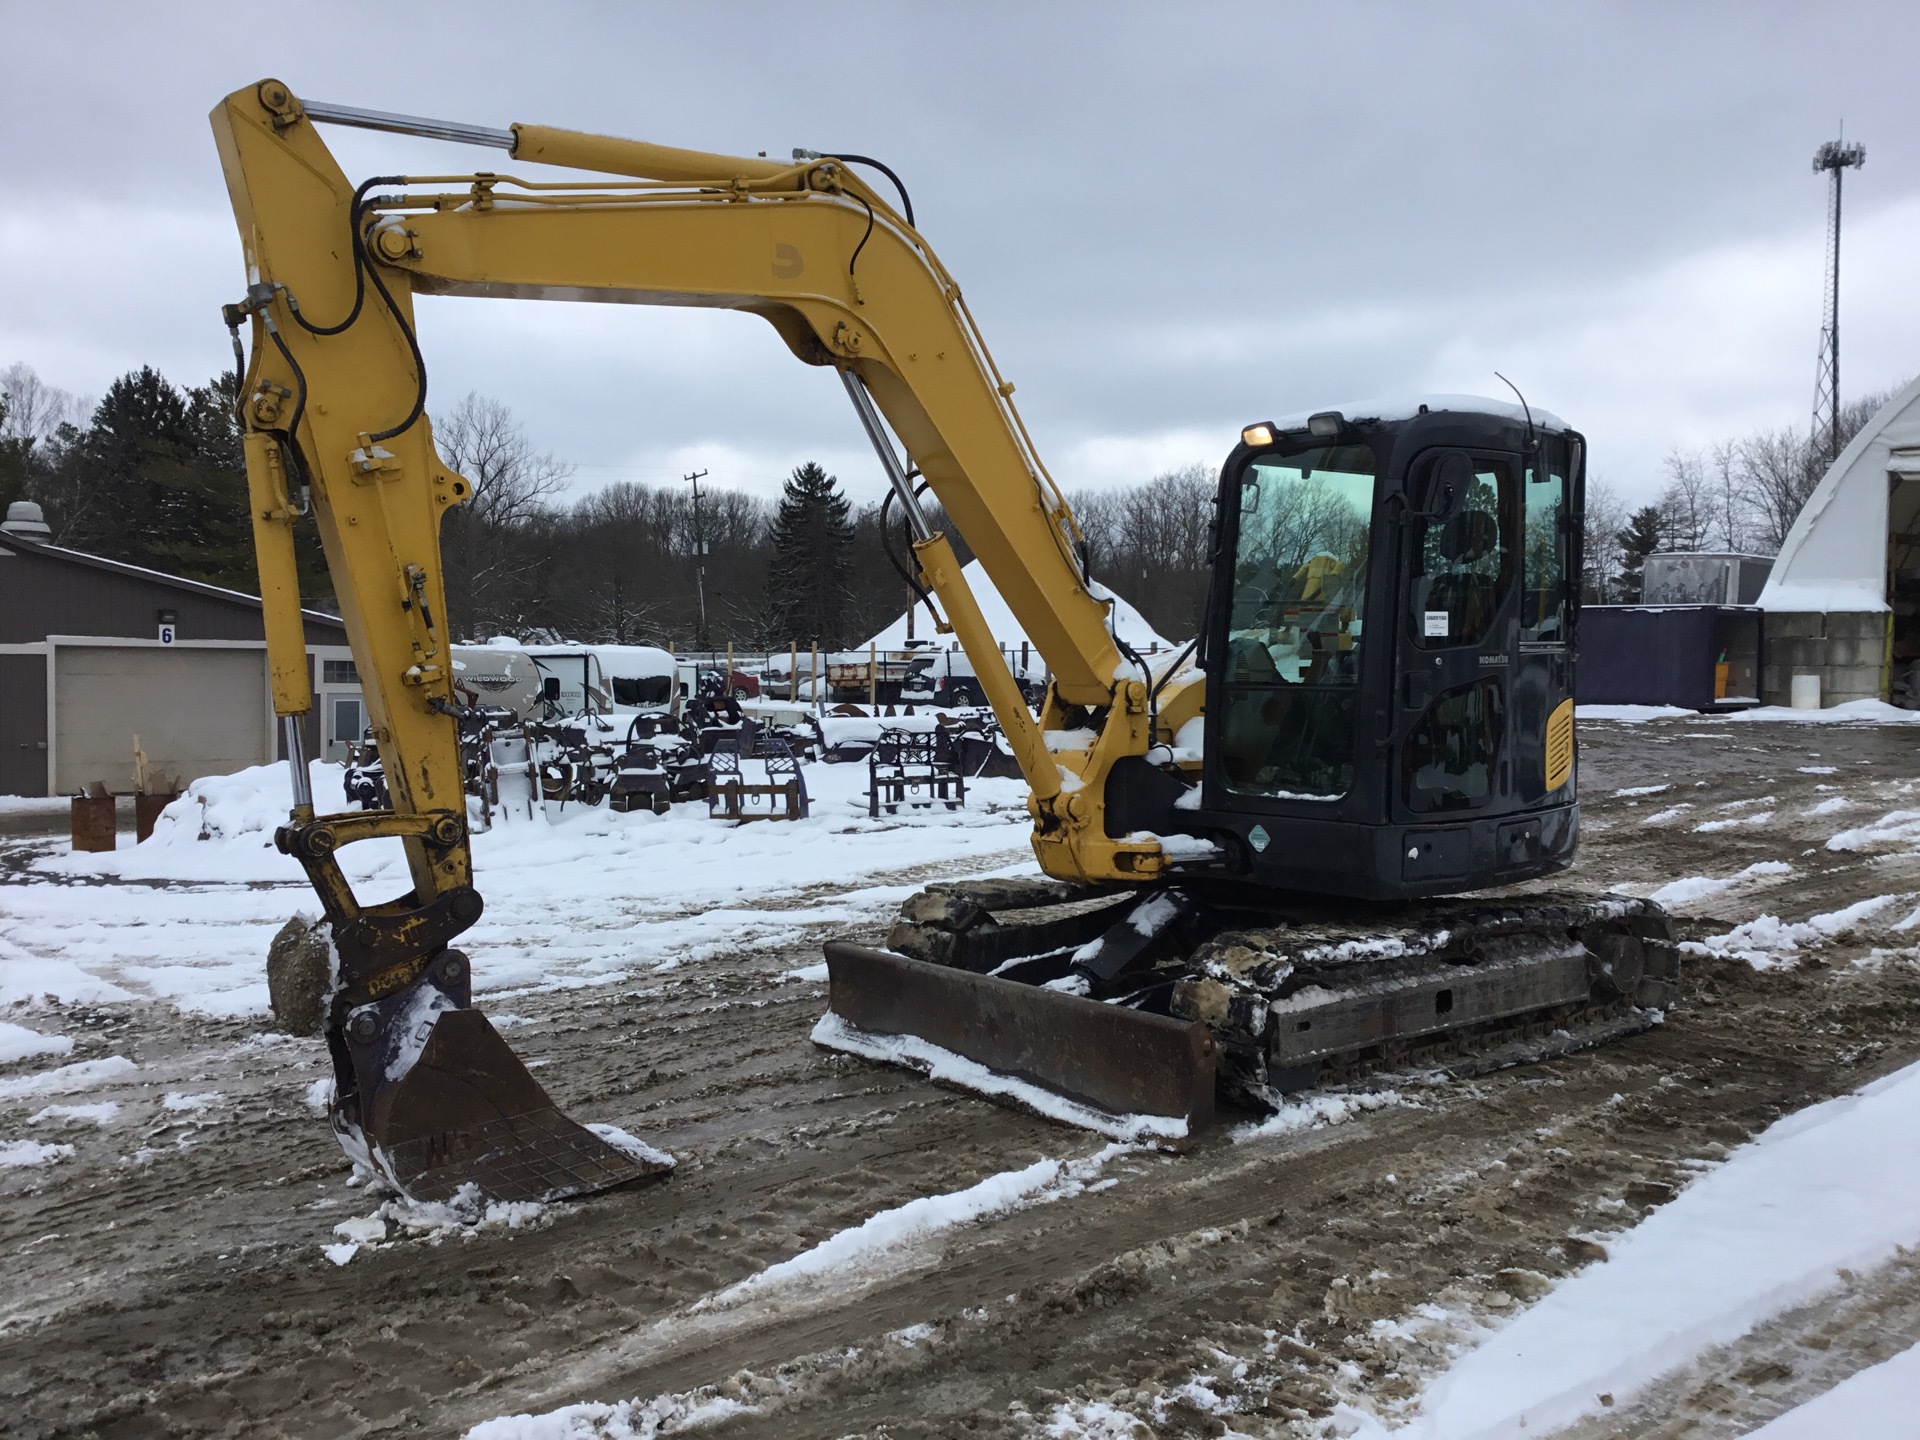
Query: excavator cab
{"points": [[1388, 650]]}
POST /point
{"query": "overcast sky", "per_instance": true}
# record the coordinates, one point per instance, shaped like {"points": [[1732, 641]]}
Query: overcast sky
{"points": [[1170, 220]]}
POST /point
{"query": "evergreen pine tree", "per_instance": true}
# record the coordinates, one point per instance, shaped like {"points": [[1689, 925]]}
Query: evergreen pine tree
{"points": [[1640, 539], [810, 589], [13, 459], [157, 479]]}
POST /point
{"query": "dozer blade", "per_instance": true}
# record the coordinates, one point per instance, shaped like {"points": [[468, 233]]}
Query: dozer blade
{"points": [[440, 1101], [1119, 1071]]}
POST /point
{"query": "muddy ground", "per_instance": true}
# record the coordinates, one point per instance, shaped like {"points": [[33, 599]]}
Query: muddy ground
{"points": [[169, 1278]]}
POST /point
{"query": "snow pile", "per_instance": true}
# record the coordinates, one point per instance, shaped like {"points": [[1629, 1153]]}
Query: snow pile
{"points": [[21, 1153], [1854, 712], [1698, 887], [17, 1042], [945, 1067], [1317, 1112], [1633, 714], [1092, 1420], [1827, 1190], [65, 1078], [631, 1144], [247, 802], [1768, 941], [102, 1113], [1893, 828], [627, 1420], [1633, 792], [855, 1249], [465, 1214], [1877, 1401]]}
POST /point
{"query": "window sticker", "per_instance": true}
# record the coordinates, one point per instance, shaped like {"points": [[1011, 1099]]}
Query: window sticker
{"points": [[1436, 623]]}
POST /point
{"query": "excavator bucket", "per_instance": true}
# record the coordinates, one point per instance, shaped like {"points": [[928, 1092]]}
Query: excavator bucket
{"points": [[438, 1101], [1121, 1071]]}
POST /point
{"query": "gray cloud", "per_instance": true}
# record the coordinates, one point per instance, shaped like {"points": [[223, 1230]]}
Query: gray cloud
{"points": [[1168, 220]]}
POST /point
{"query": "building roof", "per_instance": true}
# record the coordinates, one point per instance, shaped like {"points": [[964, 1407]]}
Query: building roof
{"points": [[13, 541], [1835, 556]]}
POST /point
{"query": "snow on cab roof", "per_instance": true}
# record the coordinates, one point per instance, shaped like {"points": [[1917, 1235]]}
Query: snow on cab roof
{"points": [[1405, 407]]}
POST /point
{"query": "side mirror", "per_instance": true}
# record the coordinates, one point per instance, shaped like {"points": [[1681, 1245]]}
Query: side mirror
{"points": [[1249, 496]]}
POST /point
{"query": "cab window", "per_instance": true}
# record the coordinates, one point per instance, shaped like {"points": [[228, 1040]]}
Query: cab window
{"points": [[1464, 562], [1296, 631]]}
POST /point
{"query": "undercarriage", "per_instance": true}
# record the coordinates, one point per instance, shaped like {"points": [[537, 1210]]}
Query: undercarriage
{"points": [[1130, 1006]]}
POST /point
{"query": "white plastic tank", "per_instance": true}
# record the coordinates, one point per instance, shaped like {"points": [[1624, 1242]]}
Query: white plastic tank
{"points": [[1806, 692]]}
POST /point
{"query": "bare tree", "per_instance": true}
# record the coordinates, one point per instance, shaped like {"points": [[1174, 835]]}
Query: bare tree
{"points": [[1687, 504], [1731, 512], [34, 410], [486, 564], [1150, 542], [1601, 563], [1776, 470]]}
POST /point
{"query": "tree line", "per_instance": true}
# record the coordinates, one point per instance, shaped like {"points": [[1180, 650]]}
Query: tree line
{"points": [[152, 474]]}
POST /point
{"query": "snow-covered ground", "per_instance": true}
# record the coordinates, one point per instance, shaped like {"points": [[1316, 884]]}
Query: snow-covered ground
{"points": [[1853, 712], [1820, 1195], [584, 897]]}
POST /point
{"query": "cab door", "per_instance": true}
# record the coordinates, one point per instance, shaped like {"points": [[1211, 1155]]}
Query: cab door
{"points": [[1543, 742], [1458, 635]]}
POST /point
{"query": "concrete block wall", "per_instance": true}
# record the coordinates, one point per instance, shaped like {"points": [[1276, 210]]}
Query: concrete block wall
{"points": [[1845, 650]]}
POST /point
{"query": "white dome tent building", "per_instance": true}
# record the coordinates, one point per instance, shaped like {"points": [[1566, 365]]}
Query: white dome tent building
{"points": [[1023, 657], [1843, 601]]}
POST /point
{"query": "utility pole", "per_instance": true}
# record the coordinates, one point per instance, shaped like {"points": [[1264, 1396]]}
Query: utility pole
{"points": [[699, 557], [1835, 158]]}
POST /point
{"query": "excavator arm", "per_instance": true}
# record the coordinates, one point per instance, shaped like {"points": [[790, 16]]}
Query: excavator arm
{"points": [[334, 404], [842, 277]]}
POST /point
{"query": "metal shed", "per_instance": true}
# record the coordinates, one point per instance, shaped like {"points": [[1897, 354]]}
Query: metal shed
{"points": [[94, 652]]}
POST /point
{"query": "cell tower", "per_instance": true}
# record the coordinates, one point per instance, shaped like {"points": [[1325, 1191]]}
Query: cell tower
{"points": [[1836, 157]]}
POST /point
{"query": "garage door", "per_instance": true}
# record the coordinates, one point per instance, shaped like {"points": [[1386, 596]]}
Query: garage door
{"points": [[197, 712]]}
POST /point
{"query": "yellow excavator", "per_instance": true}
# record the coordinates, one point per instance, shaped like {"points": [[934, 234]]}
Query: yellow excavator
{"points": [[1259, 853]]}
